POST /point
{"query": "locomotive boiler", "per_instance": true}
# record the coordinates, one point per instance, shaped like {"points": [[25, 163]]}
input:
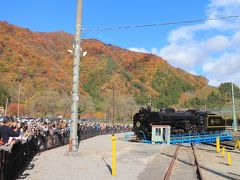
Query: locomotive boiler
{"points": [[190, 121]]}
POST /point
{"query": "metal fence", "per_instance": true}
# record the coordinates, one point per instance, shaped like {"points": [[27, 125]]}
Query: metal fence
{"points": [[14, 160]]}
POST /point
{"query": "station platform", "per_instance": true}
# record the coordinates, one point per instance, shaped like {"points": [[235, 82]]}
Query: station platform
{"points": [[135, 161], [94, 160]]}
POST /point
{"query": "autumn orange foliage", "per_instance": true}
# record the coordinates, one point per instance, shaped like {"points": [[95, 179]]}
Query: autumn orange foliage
{"points": [[40, 62], [13, 109]]}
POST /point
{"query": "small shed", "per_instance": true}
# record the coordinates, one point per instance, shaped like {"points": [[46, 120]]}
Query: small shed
{"points": [[161, 134]]}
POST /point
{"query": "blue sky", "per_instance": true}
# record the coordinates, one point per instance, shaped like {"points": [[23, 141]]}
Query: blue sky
{"points": [[210, 49], [55, 15]]}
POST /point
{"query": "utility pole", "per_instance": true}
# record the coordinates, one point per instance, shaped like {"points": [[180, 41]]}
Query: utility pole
{"points": [[234, 111], [19, 90], [113, 138], [6, 106], [113, 107], [33, 109], [238, 105], [76, 64]]}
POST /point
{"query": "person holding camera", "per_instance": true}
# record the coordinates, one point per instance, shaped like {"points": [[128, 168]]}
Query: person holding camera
{"points": [[6, 131]]}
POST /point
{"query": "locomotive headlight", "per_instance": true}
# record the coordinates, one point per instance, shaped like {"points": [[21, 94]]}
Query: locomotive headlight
{"points": [[138, 124]]}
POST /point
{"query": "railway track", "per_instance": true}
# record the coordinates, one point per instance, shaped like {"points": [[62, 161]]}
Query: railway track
{"points": [[228, 145], [190, 167]]}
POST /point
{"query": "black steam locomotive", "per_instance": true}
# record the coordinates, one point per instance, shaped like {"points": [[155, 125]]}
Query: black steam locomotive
{"points": [[190, 121]]}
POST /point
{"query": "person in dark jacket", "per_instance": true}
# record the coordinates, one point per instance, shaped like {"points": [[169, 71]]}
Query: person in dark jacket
{"points": [[6, 131]]}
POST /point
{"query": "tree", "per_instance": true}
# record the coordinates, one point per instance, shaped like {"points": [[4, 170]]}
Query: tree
{"points": [[64, 105], [215, 100], [47, 103], [13, 109], [226, 89], [128, 107], [85, 104], [99, 115], [3, 95], [169, 88]]}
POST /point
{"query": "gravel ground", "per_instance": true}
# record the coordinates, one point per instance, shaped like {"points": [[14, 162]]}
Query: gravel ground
{"points": [[157, 168], [183, 167], [94, 161], [135, 161], [214, 166]]}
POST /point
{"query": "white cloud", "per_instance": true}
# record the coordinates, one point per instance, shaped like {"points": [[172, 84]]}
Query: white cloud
{"points": [[210, 48], [236, 37], [142, 50], [180, 34], [220, 3], [223, 8], [208, 67], [192, 72], [224, 69], [226, 64], [155, 51], [182, 56], [217, 43], [216, 81]]}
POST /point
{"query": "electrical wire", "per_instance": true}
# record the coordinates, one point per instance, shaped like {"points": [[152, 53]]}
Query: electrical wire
{"points": [[160, 24]]}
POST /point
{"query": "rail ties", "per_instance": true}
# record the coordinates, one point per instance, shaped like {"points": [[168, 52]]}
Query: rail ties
{"points": [[170, 168], [198, 170]]}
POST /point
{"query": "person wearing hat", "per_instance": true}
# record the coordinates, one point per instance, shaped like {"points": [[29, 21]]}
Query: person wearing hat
{"points": [[6, 131]]}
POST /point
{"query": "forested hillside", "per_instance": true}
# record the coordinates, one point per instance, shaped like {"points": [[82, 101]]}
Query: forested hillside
{"points": [[40, 63]]}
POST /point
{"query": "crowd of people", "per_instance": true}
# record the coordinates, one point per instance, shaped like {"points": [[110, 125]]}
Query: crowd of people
{"points": [[21, 140], [50, 134]]}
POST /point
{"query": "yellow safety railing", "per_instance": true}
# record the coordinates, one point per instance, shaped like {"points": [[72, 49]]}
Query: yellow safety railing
{"points": [[237, 144], [113, 155], [223, 151], [229, 159], [217, 144]]}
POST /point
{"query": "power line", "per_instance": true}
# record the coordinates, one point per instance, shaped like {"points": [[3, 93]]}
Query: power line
{"points": [[160, 24]]}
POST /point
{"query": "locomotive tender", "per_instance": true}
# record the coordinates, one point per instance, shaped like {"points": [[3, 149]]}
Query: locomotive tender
{"points": [[190, 121]]}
